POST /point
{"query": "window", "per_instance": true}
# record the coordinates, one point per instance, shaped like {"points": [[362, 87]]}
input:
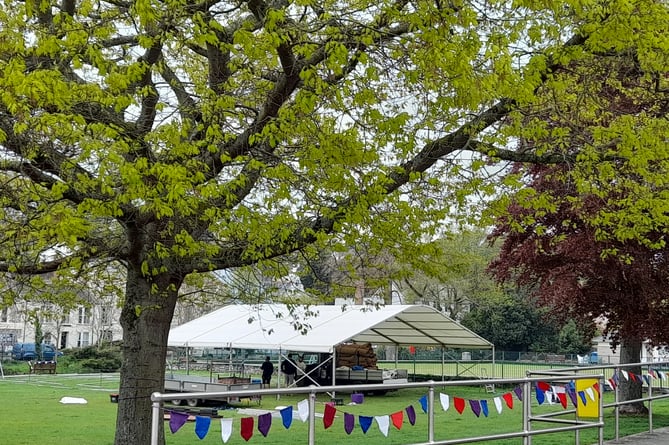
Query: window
{"points": [[84, 339], [63, 340], [4, 315], [66, 317], [84, 315]]}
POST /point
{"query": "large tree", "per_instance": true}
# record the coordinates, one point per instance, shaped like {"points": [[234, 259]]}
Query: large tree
{"points": [[175, 138]]}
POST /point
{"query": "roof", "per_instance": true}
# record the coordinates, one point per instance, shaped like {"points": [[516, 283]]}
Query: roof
{"points": [[321, 328]]}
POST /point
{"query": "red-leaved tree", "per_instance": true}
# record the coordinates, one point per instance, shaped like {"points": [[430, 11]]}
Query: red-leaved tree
{"points": [[555, 233]]}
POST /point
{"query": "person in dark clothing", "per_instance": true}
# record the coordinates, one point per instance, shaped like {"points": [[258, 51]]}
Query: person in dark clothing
{"points": [[288, 369], [267, 371]]}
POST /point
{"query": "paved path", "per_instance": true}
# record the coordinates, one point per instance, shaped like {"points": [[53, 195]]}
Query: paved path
{"points": [[659, 436]]}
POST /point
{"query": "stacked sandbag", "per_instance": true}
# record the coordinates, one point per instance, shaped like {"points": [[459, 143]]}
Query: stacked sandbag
{"points": [[354, 354]]}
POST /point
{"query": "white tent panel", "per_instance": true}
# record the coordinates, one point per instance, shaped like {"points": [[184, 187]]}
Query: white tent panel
{"points": [[275, 327]]}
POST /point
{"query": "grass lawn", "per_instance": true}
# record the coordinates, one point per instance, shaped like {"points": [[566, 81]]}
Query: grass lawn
{"points": [[31, 413]]}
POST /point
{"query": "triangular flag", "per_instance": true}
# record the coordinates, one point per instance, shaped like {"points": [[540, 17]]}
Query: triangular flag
{"points": [[303, 410], [625, 374], [247, 428], [365, 422], [561, 393], [596, 387], [498, 404], [226, 429], [571, 392], [563, 399], [349, 422], [202, 426], [328, 415], [662, 374], [287, 416], [590, 393], [445, 401], [651, 372], [475, 405], [541, 396], [484, 407], [581, 394], [177, 420], [508, 398], [264, 423], [518, 391], [423, 403], [647, 379], [384, 424], [411, 414], [632, 376], [397, 419], [612, 383], [543, 386], [459, 404]]}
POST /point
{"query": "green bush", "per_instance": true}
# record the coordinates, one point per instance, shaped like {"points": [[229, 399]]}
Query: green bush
{"points": [[102, 364], [96, 359]]}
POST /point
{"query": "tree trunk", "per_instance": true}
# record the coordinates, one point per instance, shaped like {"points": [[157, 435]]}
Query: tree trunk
{"points": [[145, 318], [631, 389]]}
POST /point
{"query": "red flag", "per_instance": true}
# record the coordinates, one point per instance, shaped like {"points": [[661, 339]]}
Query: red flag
{"points": [[596, 386], [328, 415], [459, 404], [508, 398], [543, 386], [563, 399], [247, 428], [397, 419]]}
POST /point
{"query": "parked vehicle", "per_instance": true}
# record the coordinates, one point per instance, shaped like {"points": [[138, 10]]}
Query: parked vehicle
{"points": [[26, 351]]}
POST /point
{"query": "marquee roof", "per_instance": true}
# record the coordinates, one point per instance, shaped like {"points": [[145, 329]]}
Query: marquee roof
{"points": [[321, 328]]}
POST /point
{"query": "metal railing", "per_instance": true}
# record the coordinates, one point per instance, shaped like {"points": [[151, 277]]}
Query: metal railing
{"points": [[654, 387], [526, 385]]}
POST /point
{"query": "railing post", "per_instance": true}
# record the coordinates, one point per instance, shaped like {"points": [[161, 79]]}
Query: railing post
{"points": [[312, 418], [650, 403], [527, 396], [430, 413], [155, 420], [602, 389], [616, 410]]}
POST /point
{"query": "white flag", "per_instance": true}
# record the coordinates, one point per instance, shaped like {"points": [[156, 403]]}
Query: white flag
{"points": [[498, 404], [445, 401], [303, 410], [384, 423], [226, 429]]}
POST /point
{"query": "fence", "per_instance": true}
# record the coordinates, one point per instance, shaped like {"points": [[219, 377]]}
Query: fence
{"points": [[652, 381], [524, 389]]}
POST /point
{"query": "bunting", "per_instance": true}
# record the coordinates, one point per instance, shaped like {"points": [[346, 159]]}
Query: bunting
{"points": [[226, 429], [202, 426], [397, 419], [384, 424], [177, 420], [349, 423], [328, 415], [247, 428], [484, 407], [445, 401], [365, 422], [264, 421], [287, 416], [423, 403], [411, 414], [498, 404]]}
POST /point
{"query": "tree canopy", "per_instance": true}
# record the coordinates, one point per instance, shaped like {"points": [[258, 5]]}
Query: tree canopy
{"points": [[174, 138]]}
